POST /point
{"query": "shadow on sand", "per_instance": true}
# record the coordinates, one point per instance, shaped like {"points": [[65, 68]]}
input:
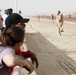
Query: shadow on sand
{"points": [[52, 60]]}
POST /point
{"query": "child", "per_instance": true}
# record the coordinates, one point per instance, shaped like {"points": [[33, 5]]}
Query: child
{"points": [[9, 45]]}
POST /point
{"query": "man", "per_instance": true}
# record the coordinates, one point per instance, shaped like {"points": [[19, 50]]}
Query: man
{"points": [[52, 17], [19, 11], [17, 20], [7, 12], [10, 11], [59, 20], [5, 15]]}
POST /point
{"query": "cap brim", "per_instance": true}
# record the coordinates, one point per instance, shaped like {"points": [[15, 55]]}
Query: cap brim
{"points": [[24, 20]]}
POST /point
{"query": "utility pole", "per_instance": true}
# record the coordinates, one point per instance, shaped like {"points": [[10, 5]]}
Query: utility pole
{"points": [[16, 6]]}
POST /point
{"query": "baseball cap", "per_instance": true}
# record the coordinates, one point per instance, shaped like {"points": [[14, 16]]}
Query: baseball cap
{"points": [[15, 18]]}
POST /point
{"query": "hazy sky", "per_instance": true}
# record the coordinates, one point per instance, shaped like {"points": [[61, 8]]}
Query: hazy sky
{"points": [[39, 6]]}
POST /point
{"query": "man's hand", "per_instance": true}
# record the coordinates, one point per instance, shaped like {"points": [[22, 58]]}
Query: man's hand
{"points": [[34, 59], [28, 54]]}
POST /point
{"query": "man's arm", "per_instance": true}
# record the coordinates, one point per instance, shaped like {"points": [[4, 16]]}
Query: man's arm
{"points": [[29, 54]]}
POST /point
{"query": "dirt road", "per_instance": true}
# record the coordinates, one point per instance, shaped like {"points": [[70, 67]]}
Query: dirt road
{"points": [[56, 54]]}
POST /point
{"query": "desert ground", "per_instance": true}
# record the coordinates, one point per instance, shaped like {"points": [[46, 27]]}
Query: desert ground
{"points": [[56, 54]]}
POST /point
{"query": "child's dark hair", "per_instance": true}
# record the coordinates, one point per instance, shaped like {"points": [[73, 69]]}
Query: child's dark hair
{"points": [[12, 36]]}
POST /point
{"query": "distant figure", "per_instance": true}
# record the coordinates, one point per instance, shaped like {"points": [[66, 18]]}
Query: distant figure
{"points": [[38, 18], [0, 11], [4, 16], [70, 16], [10, 11], [19, 11], [7, 12], [52, 17], [59, 20]]}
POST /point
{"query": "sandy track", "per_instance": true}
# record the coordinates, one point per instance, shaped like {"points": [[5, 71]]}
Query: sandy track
{"points": [[56, 54]]}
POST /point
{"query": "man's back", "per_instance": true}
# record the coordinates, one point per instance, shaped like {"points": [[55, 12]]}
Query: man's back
{"points": [[59, 18]]}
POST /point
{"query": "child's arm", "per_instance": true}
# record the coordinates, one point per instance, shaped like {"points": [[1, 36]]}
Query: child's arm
{"points": [[11, 60]]}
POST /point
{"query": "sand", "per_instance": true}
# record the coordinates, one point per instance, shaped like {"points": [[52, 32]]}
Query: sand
{"points": [[56, 54]]}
